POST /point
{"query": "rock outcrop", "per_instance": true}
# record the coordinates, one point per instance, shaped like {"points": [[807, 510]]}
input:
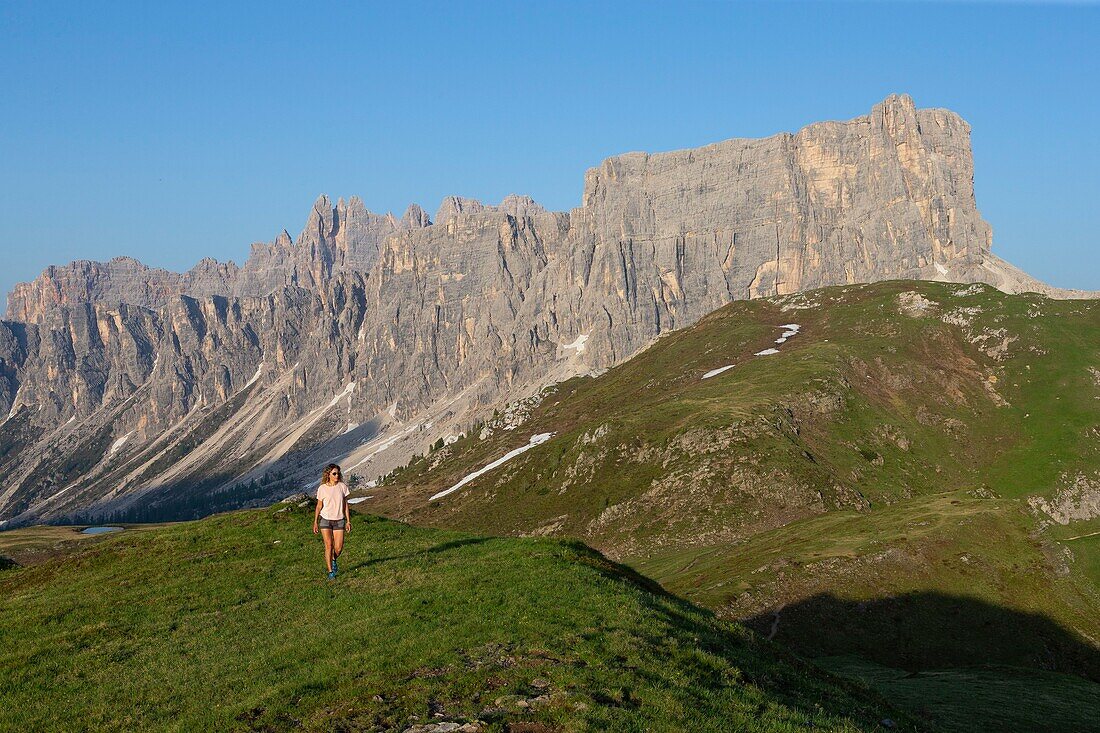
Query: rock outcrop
{"points": [[369, 337]]}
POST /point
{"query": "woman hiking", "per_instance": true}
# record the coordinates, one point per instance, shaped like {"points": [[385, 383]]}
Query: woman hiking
{"points": [[332, 517]]}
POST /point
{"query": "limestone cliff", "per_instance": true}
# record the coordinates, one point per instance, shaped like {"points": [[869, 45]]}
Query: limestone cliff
{"points": [[370, 337]]}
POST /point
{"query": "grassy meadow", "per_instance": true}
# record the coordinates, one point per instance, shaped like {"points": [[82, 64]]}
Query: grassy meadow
{"points": [[229, 623]]}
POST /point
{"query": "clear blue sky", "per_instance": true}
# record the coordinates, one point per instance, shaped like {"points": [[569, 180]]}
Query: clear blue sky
{"points": [[171, 132]]}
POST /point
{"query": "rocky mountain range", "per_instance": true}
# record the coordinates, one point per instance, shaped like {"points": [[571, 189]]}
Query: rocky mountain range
{"points": [[135, 392]]}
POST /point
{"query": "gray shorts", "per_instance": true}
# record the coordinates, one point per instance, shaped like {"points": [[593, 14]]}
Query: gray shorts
{"points": [[331, 523]]}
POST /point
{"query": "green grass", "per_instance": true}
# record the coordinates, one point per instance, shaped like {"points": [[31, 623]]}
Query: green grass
{"points": [[228, 623], [896, 381], [864, 492], [984, 698], [32, 545], [882, 458], [866, 409], [1084, 545]]}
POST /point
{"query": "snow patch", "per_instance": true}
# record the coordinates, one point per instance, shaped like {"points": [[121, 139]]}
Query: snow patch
{"points": [[351, 426], [359, 499], [578, 344], [259, 371], [348, 389], [940, 268], [535, 440], [719, 370], [789, 330], [119, 443], [15, 403]]}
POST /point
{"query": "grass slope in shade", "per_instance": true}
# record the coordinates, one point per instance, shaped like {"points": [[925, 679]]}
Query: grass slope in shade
{"points": [[228, 623], [943, 580], [985, 698]]}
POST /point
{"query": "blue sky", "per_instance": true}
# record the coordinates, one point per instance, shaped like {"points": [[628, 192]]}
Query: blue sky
{"points": [[170, 132]]}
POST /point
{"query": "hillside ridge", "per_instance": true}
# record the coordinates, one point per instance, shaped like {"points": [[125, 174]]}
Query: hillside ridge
{"points": [[438, 631], [369, 338]]}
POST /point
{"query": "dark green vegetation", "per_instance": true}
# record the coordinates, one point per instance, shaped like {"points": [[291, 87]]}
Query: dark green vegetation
{"points": [[228, 623], [914, 479], [1005, 698]]}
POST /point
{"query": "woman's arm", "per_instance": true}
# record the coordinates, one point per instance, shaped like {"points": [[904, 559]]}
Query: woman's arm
{"points": [[347, 514], [316, 516]]}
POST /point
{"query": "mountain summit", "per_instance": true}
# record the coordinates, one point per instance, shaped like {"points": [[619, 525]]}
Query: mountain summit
{"points": [[370, 337]]}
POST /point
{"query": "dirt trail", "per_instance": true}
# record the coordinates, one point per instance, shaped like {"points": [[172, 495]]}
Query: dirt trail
{"points": [[775, 623]]}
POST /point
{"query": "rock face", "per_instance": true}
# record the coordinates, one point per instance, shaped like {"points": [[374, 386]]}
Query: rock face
{"points": [[369, 337], [766, 217], [122, 280], [341, 238]]}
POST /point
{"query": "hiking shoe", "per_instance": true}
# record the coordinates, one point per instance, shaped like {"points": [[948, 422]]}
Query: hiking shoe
{"points": [[335, 567], [332, 575]]}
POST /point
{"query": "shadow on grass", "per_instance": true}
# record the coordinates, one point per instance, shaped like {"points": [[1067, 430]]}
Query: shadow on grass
{"points": [[928, 631], [913, 632], [444, 547], [789, 678]]}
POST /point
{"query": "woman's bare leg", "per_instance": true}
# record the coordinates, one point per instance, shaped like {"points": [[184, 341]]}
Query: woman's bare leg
{"points": [[337, 543], [326, 535]]}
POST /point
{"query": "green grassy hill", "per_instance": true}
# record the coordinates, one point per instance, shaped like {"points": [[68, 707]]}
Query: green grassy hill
{"points": [[228, 623], [913, 479], [907, 492]]}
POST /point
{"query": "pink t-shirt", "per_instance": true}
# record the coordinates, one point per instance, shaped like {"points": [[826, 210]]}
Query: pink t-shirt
{"points": [[332, 500]]}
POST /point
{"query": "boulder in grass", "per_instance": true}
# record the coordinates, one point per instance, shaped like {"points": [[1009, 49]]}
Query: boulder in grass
{"points": [[296, 499]]}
